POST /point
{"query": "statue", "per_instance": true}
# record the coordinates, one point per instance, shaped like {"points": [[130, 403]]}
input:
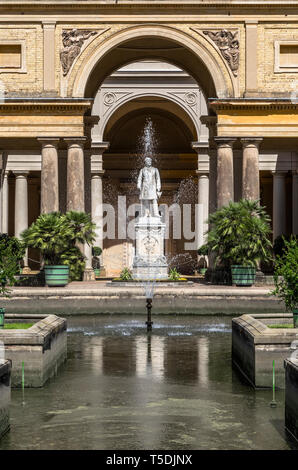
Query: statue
{"points": [[149, 186]]}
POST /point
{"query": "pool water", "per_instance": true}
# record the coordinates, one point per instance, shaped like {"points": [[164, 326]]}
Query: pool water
{"points": [[123, 389]]}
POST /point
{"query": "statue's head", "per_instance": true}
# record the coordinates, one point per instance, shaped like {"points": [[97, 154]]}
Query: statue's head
{"points": [[148, 161]]}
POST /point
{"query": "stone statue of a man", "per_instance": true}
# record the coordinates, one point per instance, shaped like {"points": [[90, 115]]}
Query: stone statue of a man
{"points": [[149, 186]]}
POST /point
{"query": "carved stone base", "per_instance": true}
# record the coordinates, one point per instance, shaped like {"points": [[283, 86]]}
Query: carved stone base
{"points": [[149, 261], [88, 275]]}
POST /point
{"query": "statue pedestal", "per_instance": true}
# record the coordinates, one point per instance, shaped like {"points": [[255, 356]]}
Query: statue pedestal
{"points": [[149, 261]]}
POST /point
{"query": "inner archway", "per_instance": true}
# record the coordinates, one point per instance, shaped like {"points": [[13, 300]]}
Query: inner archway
{"points": [[175, 131]]}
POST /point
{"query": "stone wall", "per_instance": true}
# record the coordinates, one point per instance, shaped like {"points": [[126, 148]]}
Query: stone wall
{"points": [[5, 371], [42, 348], [291, 400], [255, 346]]}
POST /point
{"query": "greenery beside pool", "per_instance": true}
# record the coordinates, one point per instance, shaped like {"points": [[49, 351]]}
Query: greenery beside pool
{"points": [[17, 326]]}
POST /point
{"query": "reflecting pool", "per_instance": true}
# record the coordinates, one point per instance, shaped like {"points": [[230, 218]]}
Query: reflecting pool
{"points": [[123, 389]]}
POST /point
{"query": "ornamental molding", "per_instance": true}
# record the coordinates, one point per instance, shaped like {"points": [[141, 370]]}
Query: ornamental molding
{"points": [[253, 104], [74, 42], [228, 46]]}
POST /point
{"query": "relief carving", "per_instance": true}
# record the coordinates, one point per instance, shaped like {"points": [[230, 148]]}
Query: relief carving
{"points": [[228, 45], [72, 44]]}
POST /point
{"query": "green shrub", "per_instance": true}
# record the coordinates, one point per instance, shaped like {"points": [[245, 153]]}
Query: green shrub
{"points": [[126, 275], [239, 234], [286, 275], [174, 275], [12, 252]]}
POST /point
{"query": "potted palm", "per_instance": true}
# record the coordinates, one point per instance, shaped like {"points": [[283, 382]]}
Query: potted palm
{"points": [[286, 277], [239, 236], [96, 252], [203, 252], [59, 237]]}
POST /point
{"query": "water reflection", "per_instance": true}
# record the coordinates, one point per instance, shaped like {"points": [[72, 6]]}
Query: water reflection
{"points": [[124, 389]]}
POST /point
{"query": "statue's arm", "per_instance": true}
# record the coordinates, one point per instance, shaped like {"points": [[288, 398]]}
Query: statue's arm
{"points": [[140, 177], [158, 183]]}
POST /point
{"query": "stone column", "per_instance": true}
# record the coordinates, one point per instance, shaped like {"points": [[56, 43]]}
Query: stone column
{"points": [[75, 174], [250, 168], [203, 201], [279, 203], [210, 122], [21, 209], [295, 202], [225, 171], [97, 150], [49, 175], [4, 202]]}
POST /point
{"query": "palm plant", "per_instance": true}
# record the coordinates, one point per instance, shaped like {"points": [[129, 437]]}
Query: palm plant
{"points": [[239, 234], [58, 237]]}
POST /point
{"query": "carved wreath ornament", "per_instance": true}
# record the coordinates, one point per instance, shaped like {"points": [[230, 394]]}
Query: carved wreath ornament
{"points": [[73, 41], [228, 45]]}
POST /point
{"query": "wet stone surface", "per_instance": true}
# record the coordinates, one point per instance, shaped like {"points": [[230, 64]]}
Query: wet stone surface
{"points": [[122, 389]]}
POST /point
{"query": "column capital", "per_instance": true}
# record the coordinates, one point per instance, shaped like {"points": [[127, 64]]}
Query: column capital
{"points": [[21, 173], [251, 141], [209, 121], [49, 141], [75, 141], [95, 173], [99, 147], [227, 142], [279, 173], [200, 147], [202, 174]]}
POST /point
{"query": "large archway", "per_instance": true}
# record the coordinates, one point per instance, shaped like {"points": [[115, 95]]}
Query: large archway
{"points": [[195, 55]]}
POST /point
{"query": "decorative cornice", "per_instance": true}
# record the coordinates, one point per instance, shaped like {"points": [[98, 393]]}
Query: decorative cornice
{"points": [[252, 103], [48, 107], [141, 4]]}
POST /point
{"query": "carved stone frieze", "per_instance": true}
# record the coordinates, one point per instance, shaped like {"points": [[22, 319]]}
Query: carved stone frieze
{"points": [[228, 45], [72, 44]]}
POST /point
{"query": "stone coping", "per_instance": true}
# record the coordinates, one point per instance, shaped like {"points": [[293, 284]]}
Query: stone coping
{"points": [[40, 333], [293, 363], [94, 289], [262, 334]]}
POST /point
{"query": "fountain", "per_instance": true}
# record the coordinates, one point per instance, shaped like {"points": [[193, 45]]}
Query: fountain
{"points": [[149, 262]]}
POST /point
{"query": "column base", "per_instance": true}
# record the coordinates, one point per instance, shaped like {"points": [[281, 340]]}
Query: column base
{"points": [[26, 270], [88, 275]]}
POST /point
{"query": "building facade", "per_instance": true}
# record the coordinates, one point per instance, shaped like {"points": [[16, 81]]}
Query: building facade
{"points": [[219, 80]]}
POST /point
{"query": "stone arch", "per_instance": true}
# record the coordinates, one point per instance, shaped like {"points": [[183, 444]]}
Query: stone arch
{"points": [[98, 63], [189, 110]]}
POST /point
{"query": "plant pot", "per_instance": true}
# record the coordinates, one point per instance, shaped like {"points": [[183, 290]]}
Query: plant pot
{"points": [[243, 275], [56, 276], [2, 317], [295, 317], [203, 271], [96, 272]]}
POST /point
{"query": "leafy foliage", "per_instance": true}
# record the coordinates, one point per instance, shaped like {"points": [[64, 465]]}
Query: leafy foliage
{"points": [[58, 237], [12, 252], [96, 252], [239, 234], [286, 275], [174, 275], [126, 274]]}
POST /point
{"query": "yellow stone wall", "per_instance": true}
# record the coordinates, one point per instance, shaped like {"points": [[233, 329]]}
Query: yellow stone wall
{"points": [[31, 81]]}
